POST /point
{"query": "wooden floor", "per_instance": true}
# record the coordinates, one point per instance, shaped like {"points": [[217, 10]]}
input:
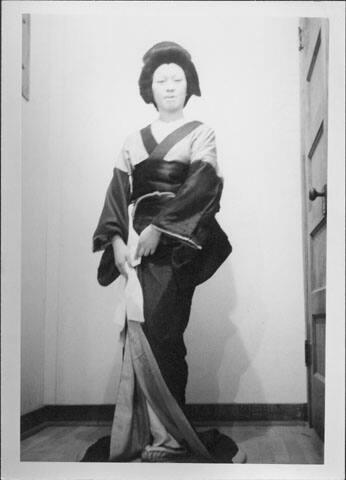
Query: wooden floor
{"points": [[264, 442]]}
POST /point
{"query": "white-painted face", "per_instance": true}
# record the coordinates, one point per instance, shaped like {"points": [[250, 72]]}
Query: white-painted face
{"points": [[169, 87]]}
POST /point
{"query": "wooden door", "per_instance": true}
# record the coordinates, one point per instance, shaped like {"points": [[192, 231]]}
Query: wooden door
{"points": [[313, 33]]}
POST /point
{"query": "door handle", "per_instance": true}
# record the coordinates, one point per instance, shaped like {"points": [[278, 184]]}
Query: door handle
{"points": [[313, 193]]}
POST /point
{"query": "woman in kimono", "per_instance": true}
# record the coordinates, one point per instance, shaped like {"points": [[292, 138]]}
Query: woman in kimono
{"points": [[168, 172]]}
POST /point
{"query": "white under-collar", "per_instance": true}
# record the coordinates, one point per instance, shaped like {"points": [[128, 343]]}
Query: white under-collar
{"points": [[160, 128]]}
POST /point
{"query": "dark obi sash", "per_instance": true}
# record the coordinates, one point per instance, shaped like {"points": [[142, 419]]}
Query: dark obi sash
{"points": [[153, 182], [191, 266]]}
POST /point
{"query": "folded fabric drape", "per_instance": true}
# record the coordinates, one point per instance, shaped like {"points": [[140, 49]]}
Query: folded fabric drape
{"points": [[131, 304]]}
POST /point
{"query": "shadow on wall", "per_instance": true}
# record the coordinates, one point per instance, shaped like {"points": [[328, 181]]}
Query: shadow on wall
{"points": [[217, 357]]}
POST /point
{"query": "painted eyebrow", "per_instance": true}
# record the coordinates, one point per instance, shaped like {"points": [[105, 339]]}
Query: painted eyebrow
{"points": [[164, 77]]}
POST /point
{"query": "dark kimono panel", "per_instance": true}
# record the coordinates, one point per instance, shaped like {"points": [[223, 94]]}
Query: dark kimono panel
{"points": [[114, 220], [187, 221], [190, 216], [196, 203]]}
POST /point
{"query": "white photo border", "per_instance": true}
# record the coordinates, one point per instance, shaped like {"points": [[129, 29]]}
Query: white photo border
{"points": [[12, 468]]}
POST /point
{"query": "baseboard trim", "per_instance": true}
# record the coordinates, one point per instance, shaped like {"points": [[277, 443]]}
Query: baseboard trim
{"points": [[234, 412], [197, 412]]}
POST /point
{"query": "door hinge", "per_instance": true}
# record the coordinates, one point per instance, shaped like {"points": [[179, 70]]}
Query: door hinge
{"points": [[300, 38], [307, 353]]}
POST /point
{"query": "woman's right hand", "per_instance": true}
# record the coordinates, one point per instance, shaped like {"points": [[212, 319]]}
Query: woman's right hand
{"points": [[121, 255]]}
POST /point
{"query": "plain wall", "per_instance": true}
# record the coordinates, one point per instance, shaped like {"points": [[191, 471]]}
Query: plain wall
{"points": [[35, 163], [246, 334]]}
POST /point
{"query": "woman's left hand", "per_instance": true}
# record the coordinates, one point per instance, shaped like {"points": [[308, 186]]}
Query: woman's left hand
{"points": [[147, 242]]}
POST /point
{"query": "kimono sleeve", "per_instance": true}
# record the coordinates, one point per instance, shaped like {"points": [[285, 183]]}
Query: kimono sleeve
{"points": [[114, 218], [188, 214]]}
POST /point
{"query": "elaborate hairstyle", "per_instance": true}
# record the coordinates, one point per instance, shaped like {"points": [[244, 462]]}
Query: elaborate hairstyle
{"points": [[167, 52]]}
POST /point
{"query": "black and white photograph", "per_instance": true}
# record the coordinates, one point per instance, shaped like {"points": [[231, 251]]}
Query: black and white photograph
{"points": [[173, 240]]}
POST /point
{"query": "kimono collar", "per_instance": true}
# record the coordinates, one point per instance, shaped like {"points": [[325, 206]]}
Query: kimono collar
{"points": [[157, 151]]}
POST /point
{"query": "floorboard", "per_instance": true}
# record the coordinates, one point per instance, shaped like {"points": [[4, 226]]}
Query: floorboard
{"points": [[264, 442]]}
